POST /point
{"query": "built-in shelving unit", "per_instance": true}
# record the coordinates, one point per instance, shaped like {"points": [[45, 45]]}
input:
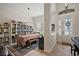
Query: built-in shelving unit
{"points": [[23, 28], [13, 31], [30, 29], [1, 35], [6, 32], [19, 28], [9, 31]]}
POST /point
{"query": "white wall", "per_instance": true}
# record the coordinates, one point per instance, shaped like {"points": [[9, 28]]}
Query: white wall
{"points": [[38, 23], [50, 17]]}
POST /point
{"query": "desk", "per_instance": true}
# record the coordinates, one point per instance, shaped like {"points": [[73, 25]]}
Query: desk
{"points": [[23, 38]]}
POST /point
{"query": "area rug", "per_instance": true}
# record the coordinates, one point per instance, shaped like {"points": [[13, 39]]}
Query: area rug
{"points": [[67, 44], [18, 51]]}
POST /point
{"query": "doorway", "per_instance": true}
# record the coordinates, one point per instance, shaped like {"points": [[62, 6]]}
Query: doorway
{"points": [[67, 27]]}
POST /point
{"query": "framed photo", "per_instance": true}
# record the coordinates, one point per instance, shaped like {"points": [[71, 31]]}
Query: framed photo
{"points": [[52, 27]]}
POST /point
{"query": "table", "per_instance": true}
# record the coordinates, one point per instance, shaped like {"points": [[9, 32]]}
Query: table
{"points": [[23, 38], [76, 41], [76, 45]]}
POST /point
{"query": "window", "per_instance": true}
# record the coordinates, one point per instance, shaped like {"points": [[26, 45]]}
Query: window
{"points": [[38, 27], [60, 27], [59, 31], [68, 25]]}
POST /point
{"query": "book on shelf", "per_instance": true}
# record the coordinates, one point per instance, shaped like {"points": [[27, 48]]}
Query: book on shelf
{"points": [[5, 30], [0, 29]]}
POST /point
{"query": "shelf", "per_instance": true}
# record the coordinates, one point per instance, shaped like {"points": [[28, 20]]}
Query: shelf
{"points": [[13, 27], [5, 32], [17, 28]]}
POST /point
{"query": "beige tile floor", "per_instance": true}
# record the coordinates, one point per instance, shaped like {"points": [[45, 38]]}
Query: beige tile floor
{"points": [[59, 50]]}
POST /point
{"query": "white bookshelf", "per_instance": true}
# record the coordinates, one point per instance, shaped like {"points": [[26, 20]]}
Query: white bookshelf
{"points": [[13, 31], [9, 31], [5, 33], [1, 35]]}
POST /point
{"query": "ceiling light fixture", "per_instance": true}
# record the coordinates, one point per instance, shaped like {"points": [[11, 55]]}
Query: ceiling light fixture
{"points": [[66, 10]]}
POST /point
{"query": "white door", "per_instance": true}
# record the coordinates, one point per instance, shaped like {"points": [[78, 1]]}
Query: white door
{"points": [[67, 27]]}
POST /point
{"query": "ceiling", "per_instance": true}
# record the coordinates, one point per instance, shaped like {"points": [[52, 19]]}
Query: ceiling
{"points": [[20, 9]]}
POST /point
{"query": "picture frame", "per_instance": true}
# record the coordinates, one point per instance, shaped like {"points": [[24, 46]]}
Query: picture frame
{"points": [[52, 27]]}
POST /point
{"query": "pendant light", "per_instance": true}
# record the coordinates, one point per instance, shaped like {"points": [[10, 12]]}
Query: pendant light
{"points": [[66, 10], [28, 12]]}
